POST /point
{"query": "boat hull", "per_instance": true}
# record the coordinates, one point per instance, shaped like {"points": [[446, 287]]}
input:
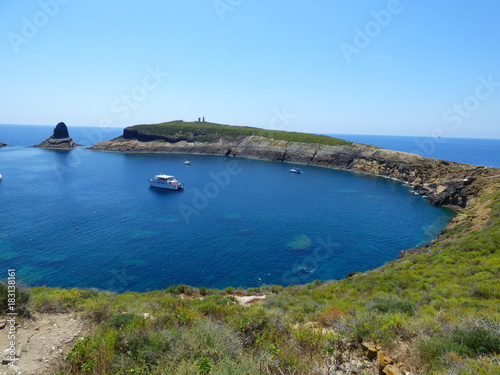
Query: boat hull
{"points": [[166, 186]]}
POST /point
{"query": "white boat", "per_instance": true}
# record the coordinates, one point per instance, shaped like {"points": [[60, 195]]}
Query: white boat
{"points": [[295, 170], [187, 162], [164, 181], [0, 177]]}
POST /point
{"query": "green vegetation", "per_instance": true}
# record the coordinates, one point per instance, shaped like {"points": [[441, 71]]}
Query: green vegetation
{"points": [[206, 131], [443, 305], [21, 300]]}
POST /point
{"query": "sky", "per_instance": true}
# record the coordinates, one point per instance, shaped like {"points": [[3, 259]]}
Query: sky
{"points": [[392, 67]]}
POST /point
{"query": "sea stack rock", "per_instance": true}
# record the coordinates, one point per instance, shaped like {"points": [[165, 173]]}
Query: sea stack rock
{"points": [[60, 139], [61, 131]]}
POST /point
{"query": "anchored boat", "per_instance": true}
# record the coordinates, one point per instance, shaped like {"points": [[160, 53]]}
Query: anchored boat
{"points": [[163, 181]]}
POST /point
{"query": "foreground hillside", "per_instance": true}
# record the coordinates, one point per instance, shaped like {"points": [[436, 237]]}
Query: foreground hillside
{"points": [[434, 311]]}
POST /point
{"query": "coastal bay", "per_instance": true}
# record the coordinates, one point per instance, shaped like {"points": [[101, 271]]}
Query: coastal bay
{"points": [[107, 217]]}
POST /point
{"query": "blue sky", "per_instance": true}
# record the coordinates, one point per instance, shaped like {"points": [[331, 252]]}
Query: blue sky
{"points": [[393, 67]]}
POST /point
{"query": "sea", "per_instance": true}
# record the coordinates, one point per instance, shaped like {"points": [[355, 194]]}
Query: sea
{"points": [[89, 219], [474, 151]]}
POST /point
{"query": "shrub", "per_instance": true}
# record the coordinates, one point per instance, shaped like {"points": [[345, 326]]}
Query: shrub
{"points": [[329, 316], [391, 304], [81, 355], [56, 300], [204, 365], [99, 309], [89, 293], [477, 340], [229, 290], [181, 288], [171, 289], [469, 341], [22, 297], [122, 320], [276, 289]]}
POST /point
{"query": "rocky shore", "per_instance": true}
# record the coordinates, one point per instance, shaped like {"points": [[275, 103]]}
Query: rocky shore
{"points": [[444, 183], [59, 140]]}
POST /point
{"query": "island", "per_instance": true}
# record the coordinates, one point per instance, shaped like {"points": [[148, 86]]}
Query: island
{"points": [[60, 139]]}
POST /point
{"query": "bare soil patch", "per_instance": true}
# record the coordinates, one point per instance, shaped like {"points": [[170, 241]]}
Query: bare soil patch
{"points": [[41, 343]]}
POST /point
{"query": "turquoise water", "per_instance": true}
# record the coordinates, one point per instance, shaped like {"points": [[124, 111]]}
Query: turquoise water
{"points": [[239, 222]]}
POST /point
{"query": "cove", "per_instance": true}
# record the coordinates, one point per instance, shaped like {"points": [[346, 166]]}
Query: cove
{"points": [[261, 225]]}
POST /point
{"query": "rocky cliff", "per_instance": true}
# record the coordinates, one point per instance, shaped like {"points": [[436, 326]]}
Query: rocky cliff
{"points": [[444, 183], [60, 139]]}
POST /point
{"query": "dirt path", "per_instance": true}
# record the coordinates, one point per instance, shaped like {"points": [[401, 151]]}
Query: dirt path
{"points": [[41, 342]]}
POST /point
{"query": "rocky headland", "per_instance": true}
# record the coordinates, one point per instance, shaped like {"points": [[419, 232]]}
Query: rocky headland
{"points": [[60, 139], [444, 183]]}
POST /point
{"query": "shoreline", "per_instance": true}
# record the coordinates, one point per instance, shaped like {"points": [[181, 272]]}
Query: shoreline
{"points": [[456, 186], [444, 183]]}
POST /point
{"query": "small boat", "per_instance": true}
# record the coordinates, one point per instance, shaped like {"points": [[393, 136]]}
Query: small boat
{"points": [[296, 170], [187, 162], [0, 177], [164, 181]]}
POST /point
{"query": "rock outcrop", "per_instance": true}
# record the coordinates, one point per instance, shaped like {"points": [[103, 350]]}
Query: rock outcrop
{"points": [[386, 365], [60, 139], [2, 144], [444, 183]]}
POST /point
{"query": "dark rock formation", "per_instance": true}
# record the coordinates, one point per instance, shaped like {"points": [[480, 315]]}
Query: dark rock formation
{"points": [[60, 139], [451, 193], [61, 131], [2, 144]]}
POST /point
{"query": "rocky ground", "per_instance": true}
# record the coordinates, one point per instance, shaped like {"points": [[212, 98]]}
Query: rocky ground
{"points": [[41, 342], [62, 143]]}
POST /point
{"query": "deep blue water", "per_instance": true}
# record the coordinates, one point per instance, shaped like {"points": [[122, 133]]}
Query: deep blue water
{"points": [[239, 222]]}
